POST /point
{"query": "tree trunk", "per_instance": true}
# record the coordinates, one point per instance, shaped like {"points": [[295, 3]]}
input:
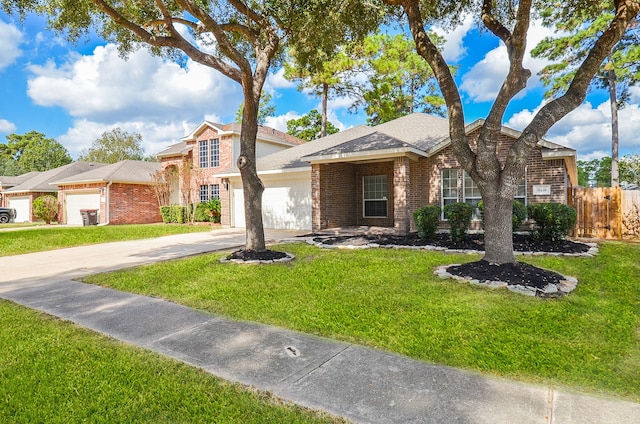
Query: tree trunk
{"points": [[325, 97], [251, 183], [613, 100], [498, 231]]}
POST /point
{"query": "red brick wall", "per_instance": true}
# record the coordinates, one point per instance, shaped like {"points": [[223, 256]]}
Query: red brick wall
{"points": [[133, 204], [32, 196]]}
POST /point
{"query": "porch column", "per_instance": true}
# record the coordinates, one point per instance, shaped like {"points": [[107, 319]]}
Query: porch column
{"points": [[401, 215], [316, 196]]}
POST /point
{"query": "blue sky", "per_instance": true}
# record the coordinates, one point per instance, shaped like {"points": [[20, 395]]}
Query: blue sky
{"points": [[74, 93]]}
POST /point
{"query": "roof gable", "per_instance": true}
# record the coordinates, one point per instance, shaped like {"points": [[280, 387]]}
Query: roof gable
{"points": [[126, 171]]}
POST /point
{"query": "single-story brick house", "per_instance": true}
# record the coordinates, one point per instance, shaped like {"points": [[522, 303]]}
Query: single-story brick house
{"points": [[378, 176], [8, 182], [35, 184], [122, 193], [210, 148]]}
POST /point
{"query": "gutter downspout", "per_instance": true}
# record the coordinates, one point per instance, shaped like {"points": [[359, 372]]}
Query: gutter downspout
{"points": [[107, 202]]}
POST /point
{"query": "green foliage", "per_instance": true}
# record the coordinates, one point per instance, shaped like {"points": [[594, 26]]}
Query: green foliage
{"points": [[518, 213], [208, 211], [265, 110], [427, 219], [459, 216], [114, 146], [46, 208], [595, 171], [553, 221], [32, 152], [400, 81], [174, 214], [630, 169], [309, 126]]}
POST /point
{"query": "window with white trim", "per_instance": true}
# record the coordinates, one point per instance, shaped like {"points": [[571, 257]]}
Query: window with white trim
{"points": [[471, 194], [204, 193], [215, 191], [449, 186], [203, 153], [208, 192], [215, 152], [374, 193]]}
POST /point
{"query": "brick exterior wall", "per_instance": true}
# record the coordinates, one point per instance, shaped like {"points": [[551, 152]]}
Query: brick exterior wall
{"points": [[412, 184], [32, 196], [133, 204]]}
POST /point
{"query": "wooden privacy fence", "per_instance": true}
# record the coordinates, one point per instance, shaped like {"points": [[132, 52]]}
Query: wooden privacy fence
{"points": [[599, 212]]}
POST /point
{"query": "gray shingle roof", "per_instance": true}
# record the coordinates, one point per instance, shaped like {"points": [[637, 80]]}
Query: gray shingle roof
{"points": [[418, 129], [126, 171], [367, 143], [179, 149], [41, 181], [10, 181]]}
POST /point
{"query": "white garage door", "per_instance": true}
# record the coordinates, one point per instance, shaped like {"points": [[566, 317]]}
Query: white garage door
{"points": [[286, 205], [22, 205], [75, 202]]}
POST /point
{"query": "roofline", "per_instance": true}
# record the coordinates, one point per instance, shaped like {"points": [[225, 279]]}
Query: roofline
{"points": [[412, 152], [263, 137], [29, 191], [66, 183]]}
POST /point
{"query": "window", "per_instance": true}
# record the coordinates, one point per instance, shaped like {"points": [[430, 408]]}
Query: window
{"points": [[204, 193], [449, 187], [203, 150], [208, 192], [521, 194], [215, 191], [215, 152], [471, 194], [374, 192]]}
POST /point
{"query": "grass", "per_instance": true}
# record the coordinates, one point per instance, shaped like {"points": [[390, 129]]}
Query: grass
{"points": [[52, 237], [390, 299], [56, 372]]}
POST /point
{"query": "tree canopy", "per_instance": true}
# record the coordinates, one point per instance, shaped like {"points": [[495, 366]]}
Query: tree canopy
{"points": [[114, 146], [309, 127], [32, 151]]}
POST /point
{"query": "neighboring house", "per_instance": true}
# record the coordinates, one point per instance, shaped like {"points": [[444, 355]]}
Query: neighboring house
{"points": [[122, 193], [209, 149], [7, 182], [378, 176], [36, 184]]}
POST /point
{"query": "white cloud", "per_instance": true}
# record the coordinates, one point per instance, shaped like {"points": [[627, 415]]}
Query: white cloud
{"points": [[588, 129], [280, 122], [103, 87], [6, 126], [10, 40], [156, 136], [454, 49], [277, 81], [484, 79]]}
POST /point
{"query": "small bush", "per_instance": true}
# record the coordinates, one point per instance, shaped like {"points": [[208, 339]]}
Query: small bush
{"points": [[553, 221], [174, 214], [46, 208], [459, 216], [518, 214], [427, 219], [208, 211]]}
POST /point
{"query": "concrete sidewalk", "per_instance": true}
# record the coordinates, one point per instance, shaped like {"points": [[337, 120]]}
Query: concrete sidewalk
{"points": [[361, 384]]}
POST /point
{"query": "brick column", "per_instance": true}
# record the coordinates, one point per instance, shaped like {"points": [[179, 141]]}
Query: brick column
{"points": [[316, 196], [401, 218]]}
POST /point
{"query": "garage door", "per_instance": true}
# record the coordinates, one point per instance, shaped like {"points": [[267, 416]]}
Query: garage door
{"points": [[286, 205], [77, 201], [22, 205]]}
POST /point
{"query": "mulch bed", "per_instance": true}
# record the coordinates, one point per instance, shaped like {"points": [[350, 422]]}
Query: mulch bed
{"points": [[257, 255]]}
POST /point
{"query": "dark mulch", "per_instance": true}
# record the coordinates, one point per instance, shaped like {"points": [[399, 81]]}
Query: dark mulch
{"points": [[521, 242], [512, 274], [257, 255]]}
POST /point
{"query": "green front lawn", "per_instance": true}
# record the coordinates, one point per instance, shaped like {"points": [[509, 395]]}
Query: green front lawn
{"points": [[390, 299], [53, 237], [55, 372]]}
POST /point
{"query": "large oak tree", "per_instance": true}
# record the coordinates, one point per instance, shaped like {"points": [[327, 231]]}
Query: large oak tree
{"points": [[509, 20], [241, 39]]}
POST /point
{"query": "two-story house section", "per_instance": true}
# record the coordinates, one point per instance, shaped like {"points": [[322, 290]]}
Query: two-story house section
{"points": [[210, 148]]}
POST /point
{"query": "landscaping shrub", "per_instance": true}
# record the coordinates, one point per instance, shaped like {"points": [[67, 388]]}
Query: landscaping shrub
{"points": [[553, 221], [46, 208], [174, 214], [427, 219], [518, 214], [459, 216], [208, 211]]}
